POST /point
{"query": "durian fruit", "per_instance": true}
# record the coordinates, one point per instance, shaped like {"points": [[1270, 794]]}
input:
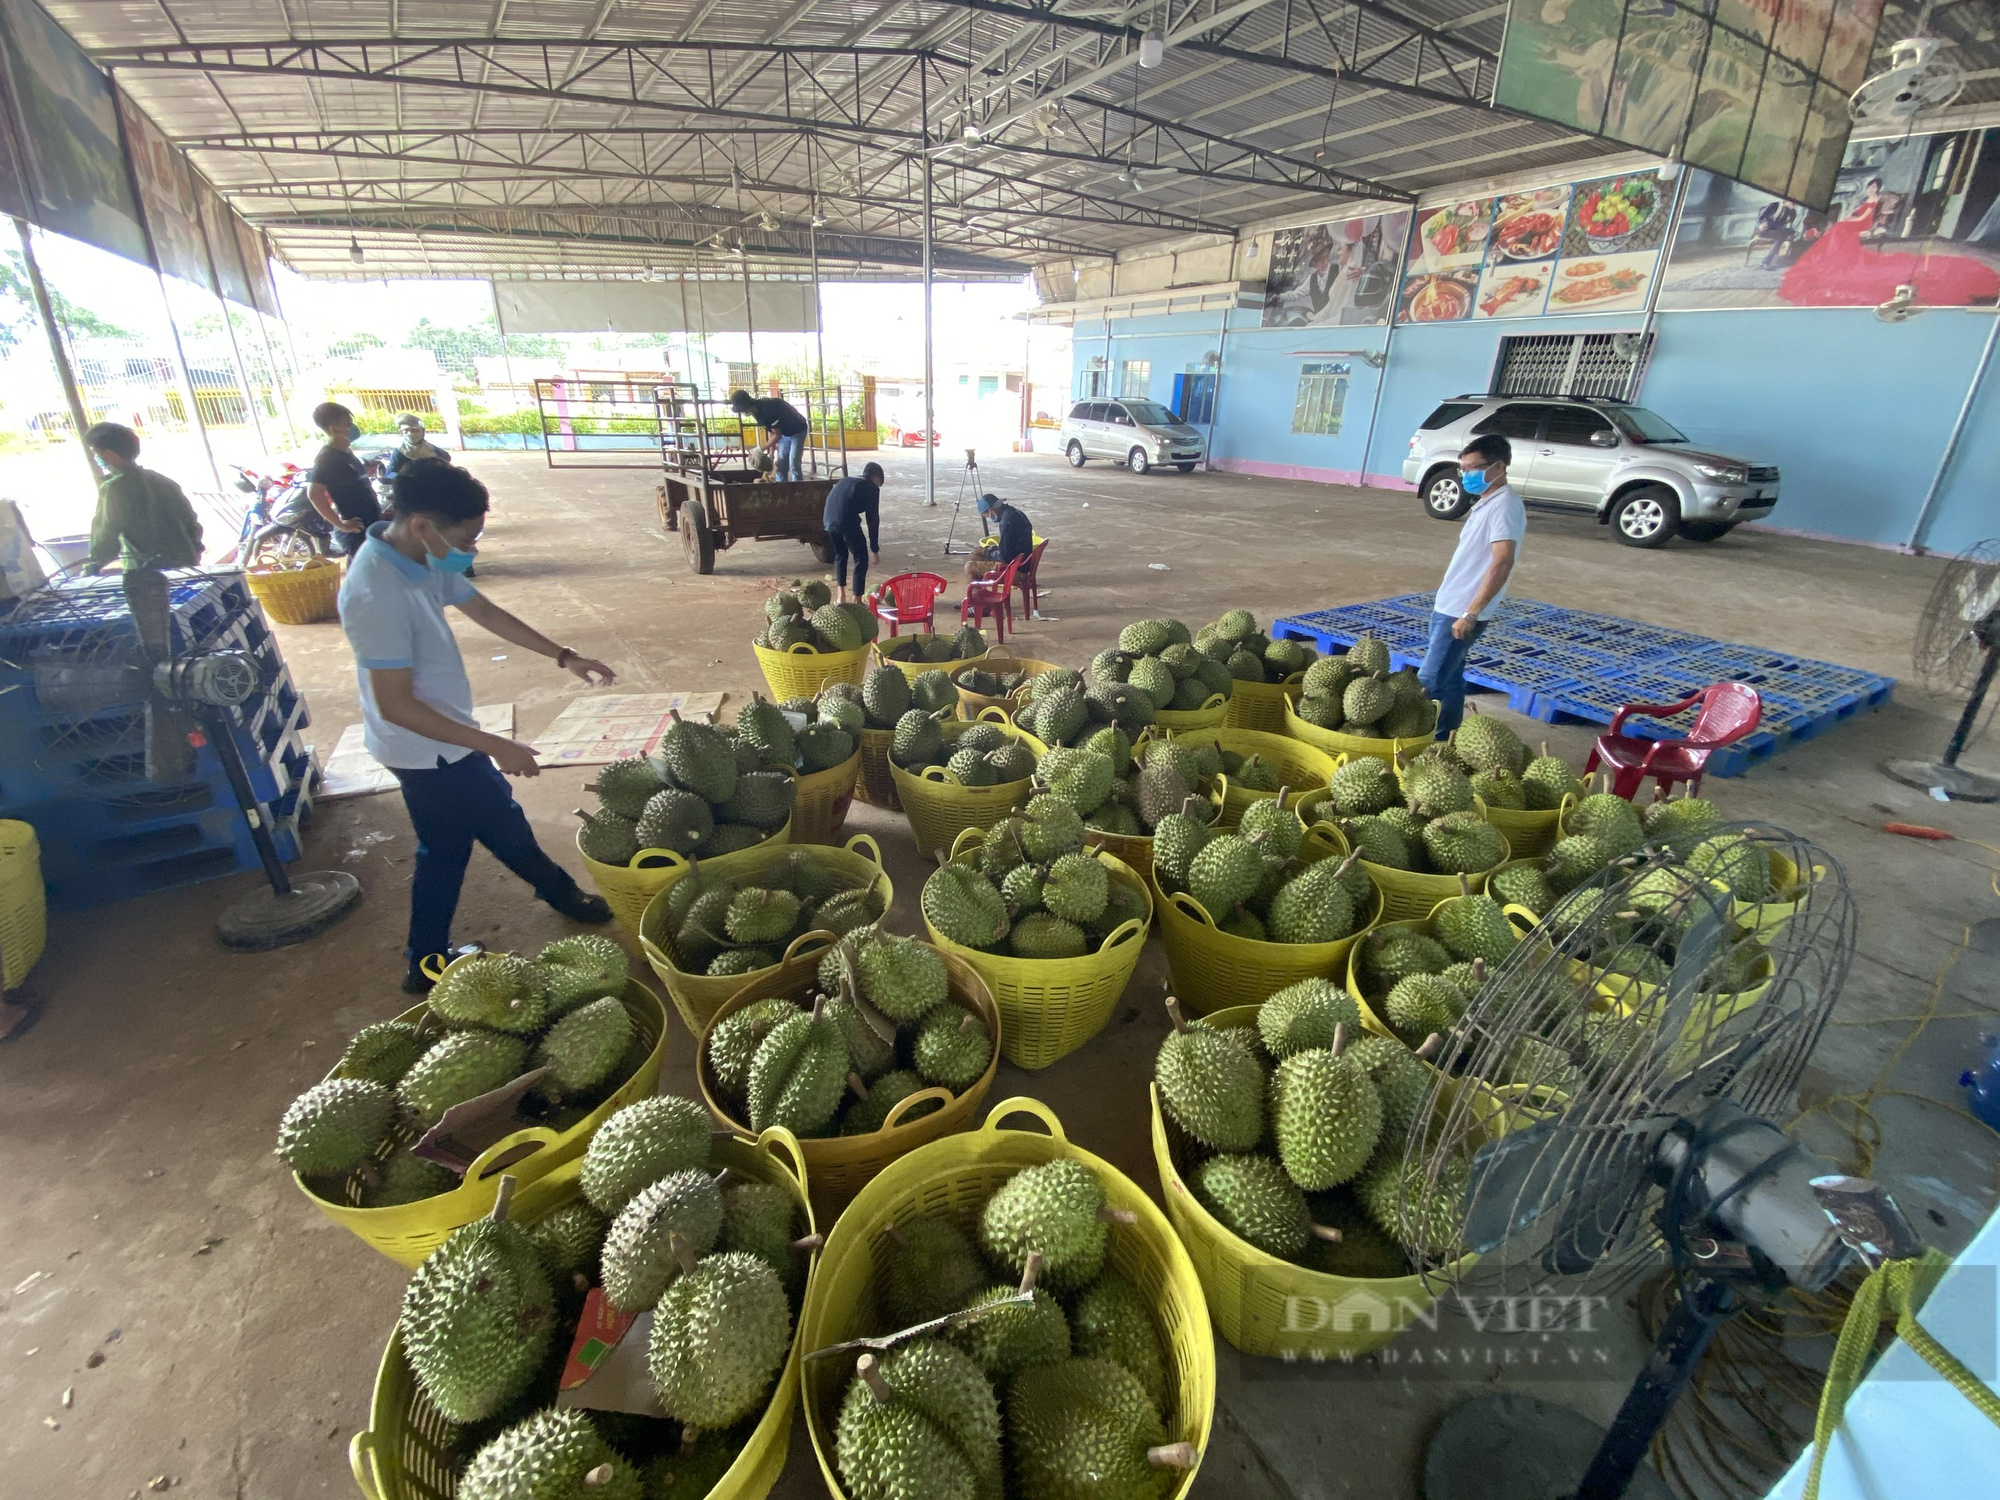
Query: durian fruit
{"points": [[761, 1219], [1305, 1015], [1363, 786], [584, 1048], [639, 1256], [920, 1423], [691, 1473], [1369, 654], [1044, 935], [699, 758], [885, 697], [1573, 860], [1226, 873], [478, 1316], [1110, 1320], [1735, 861], [1420, 1004], [1415, 1211], [1500, 789], [1057, 1209], [553, 1455], [677, 820], [407, 1178], [1400, 1078], [1325, 1116], [952, 1048], [1077, 888], [720, 1334], [1362, 1250], [1521, 884], [496, 991], [904, 978], [640, 1144], [460, 1066], [1210, 1086], [625, 786], [732, 1042], [1367, 699], [1008, 1338], [1177, 839], [1388, 954], [1048, 828], [868, 1111], [1432, 789], [1314, 905], [1379, 842], [963, 904], [762, 726], [335, 1126], [763, 800], [569, 1240], [1463, 843], [932, 1269], [1083, 1428], [1611, 821], [757, 915], [1674, 819], [798, 1074], [382, 1053], [869, 1054], [1472, 925], [1486, 744], [1081, 778], [1256, 1202], [581, 969], [1547, 780], [1276, 827], [608, 838]]}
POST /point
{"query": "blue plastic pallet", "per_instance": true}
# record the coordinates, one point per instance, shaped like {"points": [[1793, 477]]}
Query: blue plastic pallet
{"points": [[204, 848], [1574, 666]]}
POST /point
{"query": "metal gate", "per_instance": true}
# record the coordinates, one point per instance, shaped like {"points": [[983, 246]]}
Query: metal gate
{"points": [[1573, 364]]}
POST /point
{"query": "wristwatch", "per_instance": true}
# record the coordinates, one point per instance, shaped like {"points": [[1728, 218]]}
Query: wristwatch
{"points": [[563, 655]]}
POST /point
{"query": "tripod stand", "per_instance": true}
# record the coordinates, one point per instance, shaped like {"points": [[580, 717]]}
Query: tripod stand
{"points": [[968, 476]]}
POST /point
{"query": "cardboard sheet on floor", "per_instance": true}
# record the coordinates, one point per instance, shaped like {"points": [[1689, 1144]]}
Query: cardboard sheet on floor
{"points": [[595, 731], [350, 771]]}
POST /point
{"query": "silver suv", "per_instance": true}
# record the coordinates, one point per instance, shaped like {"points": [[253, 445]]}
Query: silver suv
{"points": [[1138, 434], [1637, 471]]}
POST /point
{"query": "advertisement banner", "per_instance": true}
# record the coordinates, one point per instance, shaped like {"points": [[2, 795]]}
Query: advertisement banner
{"points": [[13, 178], [68, 124], [166, 188], [219, 229], [256, 258], [1920, 211], [1341, 273]]}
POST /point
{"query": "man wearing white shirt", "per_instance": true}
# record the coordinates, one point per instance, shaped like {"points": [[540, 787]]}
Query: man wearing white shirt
{"points": [[1489, 543]]}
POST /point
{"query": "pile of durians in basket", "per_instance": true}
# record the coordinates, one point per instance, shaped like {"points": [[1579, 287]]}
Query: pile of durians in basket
{"points": [[708, 791], [1424, 822], [883, 1027], [982, 755], [1252, 882], [492, 1017], [719, 1259], [805, 615], [964, 644], [719, 926], [1050, 1381], [1358, 694]]}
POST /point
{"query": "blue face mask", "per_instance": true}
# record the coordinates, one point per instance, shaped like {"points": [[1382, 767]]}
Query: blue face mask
{"points": [[455, 560], [1473, 481]]}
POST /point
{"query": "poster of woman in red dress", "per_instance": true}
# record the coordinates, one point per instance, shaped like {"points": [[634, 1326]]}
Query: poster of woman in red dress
{"points": [[1840, 270]]}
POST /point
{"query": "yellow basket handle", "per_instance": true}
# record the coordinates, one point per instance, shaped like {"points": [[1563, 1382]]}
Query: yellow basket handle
{"points": [[1522, 920], [1021, 1104], [1124, 932], [940, 773], [864, 845], [1191, 907], [433, 970], [1218, 794], [908, 1102], [361, 1459], [666, 857], [504, 1153], [1563, 809], [1295, 680], [775, 1138], [797, 945], [993, 713], [968, 838], [802, 648], [1330, 837], [1213, 700]]}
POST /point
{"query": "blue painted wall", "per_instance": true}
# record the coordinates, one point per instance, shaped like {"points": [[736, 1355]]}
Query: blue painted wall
{"points": [[1856, 411]]}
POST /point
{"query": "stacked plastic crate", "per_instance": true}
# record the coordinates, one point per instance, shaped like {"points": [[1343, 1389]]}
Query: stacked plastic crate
{"points": [[77, 771]]}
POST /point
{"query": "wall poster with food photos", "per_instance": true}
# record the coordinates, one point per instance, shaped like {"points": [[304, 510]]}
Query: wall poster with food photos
{"points": [[1588, 247]]}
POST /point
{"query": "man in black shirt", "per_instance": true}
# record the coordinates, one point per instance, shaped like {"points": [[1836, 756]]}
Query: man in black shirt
{"points": [[339, 487], [847, 504], [784, 428], [1017, 538]]}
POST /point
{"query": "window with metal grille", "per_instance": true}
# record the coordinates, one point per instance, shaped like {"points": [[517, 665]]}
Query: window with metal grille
{"points": [[1135, 378], [1573, 364], [1090, 379], [1322, 399]]}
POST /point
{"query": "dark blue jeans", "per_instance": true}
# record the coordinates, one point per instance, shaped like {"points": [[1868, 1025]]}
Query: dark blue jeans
{"points": [[850, 544], [1443, 671], [787, 460], [453, 806]]}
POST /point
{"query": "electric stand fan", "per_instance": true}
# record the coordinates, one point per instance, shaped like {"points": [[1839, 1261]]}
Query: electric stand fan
{"points": [[1958, 648]]}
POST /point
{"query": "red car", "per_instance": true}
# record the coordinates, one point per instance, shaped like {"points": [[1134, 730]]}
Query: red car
{"points": [[913, 437]]}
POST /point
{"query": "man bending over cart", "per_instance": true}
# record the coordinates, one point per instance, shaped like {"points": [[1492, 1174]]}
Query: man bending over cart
{"points": [[784, 428]]}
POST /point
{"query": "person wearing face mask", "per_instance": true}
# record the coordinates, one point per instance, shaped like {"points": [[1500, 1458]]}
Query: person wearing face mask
{"points": [[338, 486], [416, 702], [1489, 544]]}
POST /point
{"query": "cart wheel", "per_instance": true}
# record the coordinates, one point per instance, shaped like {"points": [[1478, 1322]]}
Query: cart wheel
{"points": [[696, 539], [823, 551], [669, 518]]}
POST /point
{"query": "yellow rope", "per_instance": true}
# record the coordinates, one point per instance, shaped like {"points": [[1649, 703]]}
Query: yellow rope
{"points": [[1897, 1287]]}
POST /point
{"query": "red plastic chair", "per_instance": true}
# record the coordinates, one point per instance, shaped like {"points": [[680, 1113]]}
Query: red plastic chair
{"points": [[1025, 581], [916, 600], [1728, 711], [992, 596]]}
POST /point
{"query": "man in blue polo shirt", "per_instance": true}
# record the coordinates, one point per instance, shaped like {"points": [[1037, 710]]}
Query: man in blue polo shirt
{"points": [[417, 703], [1489, 544]]}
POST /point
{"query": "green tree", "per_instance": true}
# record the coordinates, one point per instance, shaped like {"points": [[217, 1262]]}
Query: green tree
{"points": [[355, 345], [456, 348], [17, 309]]}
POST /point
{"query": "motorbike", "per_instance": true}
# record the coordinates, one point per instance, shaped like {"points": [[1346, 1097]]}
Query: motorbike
{"points": [[280, 528]]}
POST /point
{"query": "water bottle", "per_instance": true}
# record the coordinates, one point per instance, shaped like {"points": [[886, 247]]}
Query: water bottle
{"points": [[1982, 1085]]}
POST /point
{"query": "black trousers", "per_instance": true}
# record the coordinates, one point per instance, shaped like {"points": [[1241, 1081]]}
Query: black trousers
{"points": [[850, 541], [453, 806]]}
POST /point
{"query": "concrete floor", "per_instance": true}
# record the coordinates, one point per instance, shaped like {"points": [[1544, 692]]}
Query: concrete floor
{"points": [[239, 1331]]}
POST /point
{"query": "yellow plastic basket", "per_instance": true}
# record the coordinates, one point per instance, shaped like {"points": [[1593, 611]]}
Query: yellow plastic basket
{"points": [[951, 1179], [823, 800], [1000, 659], [877, 787], [699, 996], [915, 669], [1214, 970], [1301, 768], [1529, 834], [1408, 895], [839, 1166], [940, 808], [1369, 1000], [627, 888], [801, 672], [1211, 715], [24, 905], [298, 596], [1052, 1006], [407, 1232], [1790, 892], [1261, 705], [1267, 1306], [409, 1450], [1338, 742]]}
